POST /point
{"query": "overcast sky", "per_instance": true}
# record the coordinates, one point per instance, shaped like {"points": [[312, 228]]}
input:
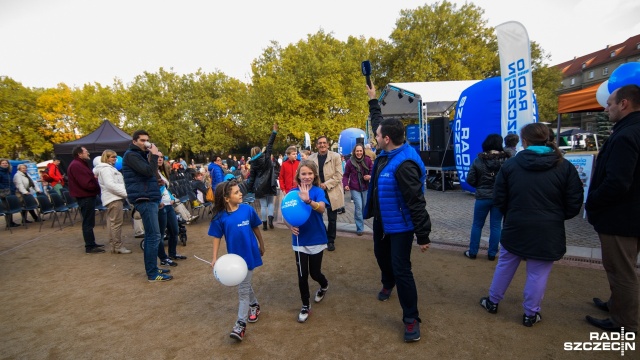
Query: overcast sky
{"points": [[45, 42]]}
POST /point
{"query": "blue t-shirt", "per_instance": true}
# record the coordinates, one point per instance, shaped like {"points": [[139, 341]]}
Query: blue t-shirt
{"points": [[237, 228], [313, 231]]}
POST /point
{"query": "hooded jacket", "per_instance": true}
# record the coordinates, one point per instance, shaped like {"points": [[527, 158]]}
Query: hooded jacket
{"points": [[536, 196], [262, 180], [111, 183], [484, 169]]}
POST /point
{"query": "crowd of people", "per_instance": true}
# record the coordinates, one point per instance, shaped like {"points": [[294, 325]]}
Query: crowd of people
{"points": [[518, 190]]}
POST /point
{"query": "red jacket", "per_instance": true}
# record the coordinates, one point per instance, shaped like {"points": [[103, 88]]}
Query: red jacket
{"points": [[287, 176], [55, 174], [82, 181]]}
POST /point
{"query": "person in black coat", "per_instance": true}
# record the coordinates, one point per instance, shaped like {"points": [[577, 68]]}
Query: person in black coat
{"points": [[262, 179], [536, 192], [482, 176], [613, 206]]}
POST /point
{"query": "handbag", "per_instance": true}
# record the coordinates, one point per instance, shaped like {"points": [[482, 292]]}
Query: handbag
{"points": [[4, 193]]}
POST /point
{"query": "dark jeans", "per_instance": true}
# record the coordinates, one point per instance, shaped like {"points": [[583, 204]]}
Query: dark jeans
{"points": [[393, 253], [149, 213], [87, 207], [167, 219], [309, 265]]}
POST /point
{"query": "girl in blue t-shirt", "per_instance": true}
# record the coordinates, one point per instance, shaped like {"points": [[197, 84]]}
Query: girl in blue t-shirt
{"points": [[239, 224], [310, 239]]}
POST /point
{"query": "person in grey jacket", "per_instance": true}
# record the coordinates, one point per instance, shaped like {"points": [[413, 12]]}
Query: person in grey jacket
{"points": [[482, 176]]}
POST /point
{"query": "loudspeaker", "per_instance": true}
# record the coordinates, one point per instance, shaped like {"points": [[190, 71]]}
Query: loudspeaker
{"points": [[440, 134], [436, 158]]}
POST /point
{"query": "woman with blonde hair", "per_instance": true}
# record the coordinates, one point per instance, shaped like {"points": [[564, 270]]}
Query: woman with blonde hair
{"points": [[24, 185], [113, 195]]}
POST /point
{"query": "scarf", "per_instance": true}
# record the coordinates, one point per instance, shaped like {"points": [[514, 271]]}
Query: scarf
{"points": [[359, 165], [31, 184]]}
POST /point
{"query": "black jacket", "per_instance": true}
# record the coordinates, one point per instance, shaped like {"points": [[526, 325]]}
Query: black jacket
{"points": [[262, 178], [613, 204], [536, 197], [484, 169]]}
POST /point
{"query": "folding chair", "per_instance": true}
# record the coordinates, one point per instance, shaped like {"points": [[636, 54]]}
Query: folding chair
{"points": [[15, 207], [71, 202], [192, 198], [46, 207], [3, 212], [29, 203], [60, 207], [100, 209], [126, 208]]}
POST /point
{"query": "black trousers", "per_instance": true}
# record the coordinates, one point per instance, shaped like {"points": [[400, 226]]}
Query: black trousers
{"points": [[332, 216], [309, 265], [88, 211]]}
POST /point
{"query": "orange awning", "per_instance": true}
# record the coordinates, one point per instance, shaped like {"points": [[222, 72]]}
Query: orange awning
{"points": [[579, 101]]}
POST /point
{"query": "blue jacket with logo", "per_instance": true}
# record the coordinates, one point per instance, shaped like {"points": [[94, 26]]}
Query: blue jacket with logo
{"points": [[396, 193]]}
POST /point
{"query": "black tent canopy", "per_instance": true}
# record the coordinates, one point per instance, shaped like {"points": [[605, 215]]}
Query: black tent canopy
{"points": [[107, 136]]}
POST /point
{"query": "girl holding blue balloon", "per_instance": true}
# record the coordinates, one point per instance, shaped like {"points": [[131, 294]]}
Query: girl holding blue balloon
{"points": [[302, 208], [240, 225]]}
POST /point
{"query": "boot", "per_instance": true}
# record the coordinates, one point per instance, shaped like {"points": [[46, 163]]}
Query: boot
{"points": [[270, 222], [264, 225]]}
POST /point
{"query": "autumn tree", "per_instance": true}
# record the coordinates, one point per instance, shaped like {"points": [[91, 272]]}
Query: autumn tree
{"points": [[23, 134], [545, 82], [55, 107]]}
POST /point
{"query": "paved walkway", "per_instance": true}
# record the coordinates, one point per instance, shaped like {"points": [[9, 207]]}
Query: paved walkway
{"points": [[452, 215]]}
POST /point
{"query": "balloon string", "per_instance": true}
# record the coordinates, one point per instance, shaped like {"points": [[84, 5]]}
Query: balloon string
{"points": [[299, 263]]}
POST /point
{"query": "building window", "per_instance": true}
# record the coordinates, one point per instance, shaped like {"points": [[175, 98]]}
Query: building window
{"points": [[613, 54], [638, 46], [573, 81], [591, 74], [605, 71], [584, 65]]}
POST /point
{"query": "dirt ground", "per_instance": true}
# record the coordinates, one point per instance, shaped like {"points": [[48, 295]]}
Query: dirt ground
{"points": [[58, 303]]}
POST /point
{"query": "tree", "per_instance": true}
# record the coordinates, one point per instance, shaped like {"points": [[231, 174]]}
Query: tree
{"points": [[545, 82], [22, 133], [312, 86], [54, 106], [438, 42], [93, 104]]}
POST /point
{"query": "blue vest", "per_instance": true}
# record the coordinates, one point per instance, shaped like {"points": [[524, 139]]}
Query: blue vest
{"points": [[137, 185], [396, 217]]}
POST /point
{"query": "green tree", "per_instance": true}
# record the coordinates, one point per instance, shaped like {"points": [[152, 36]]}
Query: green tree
{"points": [[312, 86], [23, 134], [94, 103], [440, 42], [545, 83], [55, 107]]}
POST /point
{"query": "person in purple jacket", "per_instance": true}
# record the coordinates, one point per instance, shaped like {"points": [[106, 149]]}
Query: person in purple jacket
{"points": [[84, 186], [357, 173]]}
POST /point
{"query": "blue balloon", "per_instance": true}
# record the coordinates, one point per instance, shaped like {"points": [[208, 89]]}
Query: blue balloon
{"points": [[229, 177], [118, 164], [294, 211], [349, 138], [625, 74]]}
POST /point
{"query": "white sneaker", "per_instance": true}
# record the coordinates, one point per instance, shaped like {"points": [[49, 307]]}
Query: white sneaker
{"points": [[320, 294], [304, 314]]}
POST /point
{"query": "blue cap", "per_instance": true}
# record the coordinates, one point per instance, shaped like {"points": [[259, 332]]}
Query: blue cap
{"points": [[229, 177]]}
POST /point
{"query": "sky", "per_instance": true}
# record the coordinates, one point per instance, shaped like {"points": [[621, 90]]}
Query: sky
{"points": [[46, 42]]}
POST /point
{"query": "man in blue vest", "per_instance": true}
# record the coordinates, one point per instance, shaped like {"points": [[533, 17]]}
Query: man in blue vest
{"points": [[140, 172], [396, 203]]}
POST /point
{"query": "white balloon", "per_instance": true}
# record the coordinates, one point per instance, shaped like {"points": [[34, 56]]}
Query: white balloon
{"points": [[230, 269], [602, 94], [97, 160]]}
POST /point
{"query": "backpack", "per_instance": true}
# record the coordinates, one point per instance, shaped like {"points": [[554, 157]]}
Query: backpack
{"points": [[210, 197], [45, 175]]}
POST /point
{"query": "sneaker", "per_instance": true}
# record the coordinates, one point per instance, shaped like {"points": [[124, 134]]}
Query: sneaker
{"points": [[411, 330], [320, 294], [163, 271], [254, 312], [528, 321], [384, 294], [331, 246], [94, 250], [469, 255], [177, 257], [304, 314], [489, 305], [168, 262], [238, 331], [160, 278]]}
